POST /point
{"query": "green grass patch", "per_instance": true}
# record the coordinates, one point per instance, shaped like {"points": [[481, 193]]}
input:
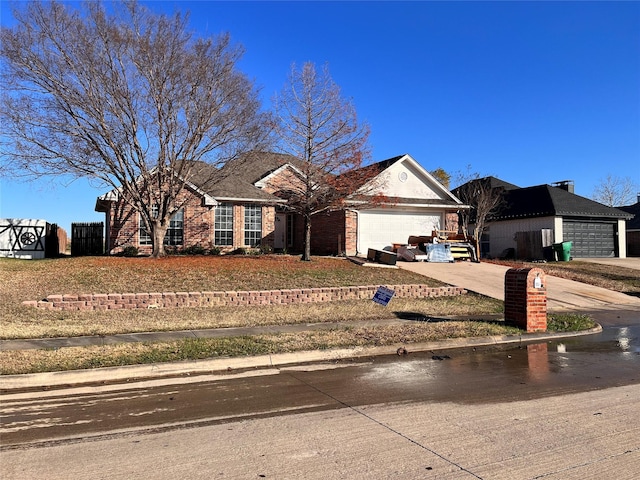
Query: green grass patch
{"points": [[569, 322], [77, 358]]}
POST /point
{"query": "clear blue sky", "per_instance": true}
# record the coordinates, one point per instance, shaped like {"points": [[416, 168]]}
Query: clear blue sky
{"points": [[530, 92]]}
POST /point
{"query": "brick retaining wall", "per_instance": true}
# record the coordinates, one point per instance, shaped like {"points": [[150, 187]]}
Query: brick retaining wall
{"points": [[116, 301]]}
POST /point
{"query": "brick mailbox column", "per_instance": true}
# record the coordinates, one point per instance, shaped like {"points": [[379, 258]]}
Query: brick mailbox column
{"points": [[525, 299]]}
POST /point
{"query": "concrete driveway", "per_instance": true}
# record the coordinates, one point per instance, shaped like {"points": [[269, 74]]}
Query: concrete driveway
{"points": [[488, 279], [629, 262]]}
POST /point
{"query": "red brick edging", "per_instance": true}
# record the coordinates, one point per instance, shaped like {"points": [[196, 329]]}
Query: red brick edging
{"points": [[116, 301]]}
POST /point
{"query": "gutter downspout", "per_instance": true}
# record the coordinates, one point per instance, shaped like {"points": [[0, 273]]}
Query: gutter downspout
{"points": [[357, 231]]}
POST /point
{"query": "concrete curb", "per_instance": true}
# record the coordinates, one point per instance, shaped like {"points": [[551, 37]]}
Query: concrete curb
{"points": [[196, 367]]}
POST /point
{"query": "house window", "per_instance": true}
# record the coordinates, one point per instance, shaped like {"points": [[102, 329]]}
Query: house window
{"points": [[175, 230], [252, 225], [223, 224], [174, 235], [145, 237]]}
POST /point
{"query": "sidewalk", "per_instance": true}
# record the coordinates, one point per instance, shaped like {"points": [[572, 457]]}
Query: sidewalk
{"points": [[60, 342], [177, 371]]}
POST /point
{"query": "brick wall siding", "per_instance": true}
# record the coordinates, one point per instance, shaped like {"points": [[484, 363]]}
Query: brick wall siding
{"points": [[198, 225], [123, 224], [327, 233], [351, 233], [120, 301], [524, 304]]}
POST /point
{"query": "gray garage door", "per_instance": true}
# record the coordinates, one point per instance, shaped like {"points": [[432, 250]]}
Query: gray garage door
{"points": [[590, 239]]}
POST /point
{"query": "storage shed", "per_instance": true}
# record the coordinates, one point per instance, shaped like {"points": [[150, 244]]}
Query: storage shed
{"points": [[23, 238]]}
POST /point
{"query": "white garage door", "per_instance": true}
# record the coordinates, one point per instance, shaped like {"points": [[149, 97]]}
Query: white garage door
{"points": [[382, 228]]}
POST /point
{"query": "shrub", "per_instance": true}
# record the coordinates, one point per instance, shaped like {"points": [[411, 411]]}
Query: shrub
{"points": [[130, 251], [266, 249], [196, 249]]}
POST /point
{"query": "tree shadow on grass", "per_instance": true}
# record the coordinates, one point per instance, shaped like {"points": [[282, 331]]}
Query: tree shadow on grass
{"points": [[633, 294], [420, 317]]}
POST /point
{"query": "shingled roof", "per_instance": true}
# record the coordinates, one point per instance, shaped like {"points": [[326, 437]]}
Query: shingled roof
{"points": [[237, 179], [545, 200], [633, 223]]}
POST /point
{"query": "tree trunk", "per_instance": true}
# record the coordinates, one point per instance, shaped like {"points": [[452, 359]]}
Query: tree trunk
{"points": [[158, 232], [306, 255], [478, 235]]}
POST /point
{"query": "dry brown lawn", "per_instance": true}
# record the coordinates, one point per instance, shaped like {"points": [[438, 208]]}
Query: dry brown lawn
{"points": [[33, 280]]}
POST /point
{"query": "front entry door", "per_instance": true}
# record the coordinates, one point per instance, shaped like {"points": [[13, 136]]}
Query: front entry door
{"points": [[280, 232]]}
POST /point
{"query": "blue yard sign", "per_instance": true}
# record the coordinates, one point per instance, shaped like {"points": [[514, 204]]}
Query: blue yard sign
{"points": [[383, 295]]}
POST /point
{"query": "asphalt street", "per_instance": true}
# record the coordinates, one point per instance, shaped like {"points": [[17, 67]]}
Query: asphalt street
{"points": [[556, 410]]}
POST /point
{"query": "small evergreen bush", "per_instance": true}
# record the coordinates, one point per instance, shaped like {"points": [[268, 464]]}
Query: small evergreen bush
{"points": [[130, 251]]}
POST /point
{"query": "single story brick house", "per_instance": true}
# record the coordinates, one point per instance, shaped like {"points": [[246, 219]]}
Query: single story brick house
{"points": [[559, 215], [246, 208]]}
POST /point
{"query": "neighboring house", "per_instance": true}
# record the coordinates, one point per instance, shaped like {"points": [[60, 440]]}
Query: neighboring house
{"points": [[633, 228], [595, 230], [246, 208]]}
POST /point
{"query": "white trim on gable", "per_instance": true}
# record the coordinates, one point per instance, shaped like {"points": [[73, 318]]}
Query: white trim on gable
{"points": [[207, 200], [260, 201], [431, 178], [406, 178]]}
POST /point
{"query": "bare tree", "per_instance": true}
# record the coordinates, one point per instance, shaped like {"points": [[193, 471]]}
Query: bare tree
{"points": [[316, 125], [485, 200], [126, 97], [615, 191]]}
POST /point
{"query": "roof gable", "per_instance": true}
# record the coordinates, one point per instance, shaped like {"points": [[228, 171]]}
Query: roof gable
{"points": [[284, 170], [403, 178], [242, 179]]}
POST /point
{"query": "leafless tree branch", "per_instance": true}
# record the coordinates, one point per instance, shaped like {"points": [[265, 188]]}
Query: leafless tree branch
{"points": [[615, 191], [129, 98], [316, 125]]}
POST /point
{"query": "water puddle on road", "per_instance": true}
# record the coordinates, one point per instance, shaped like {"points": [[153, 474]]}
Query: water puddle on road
{"points": [[507, 372]]}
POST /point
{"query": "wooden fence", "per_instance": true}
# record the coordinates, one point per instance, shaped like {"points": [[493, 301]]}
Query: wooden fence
{"points": [[87, 238], [535, 245], [55, 242]]}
